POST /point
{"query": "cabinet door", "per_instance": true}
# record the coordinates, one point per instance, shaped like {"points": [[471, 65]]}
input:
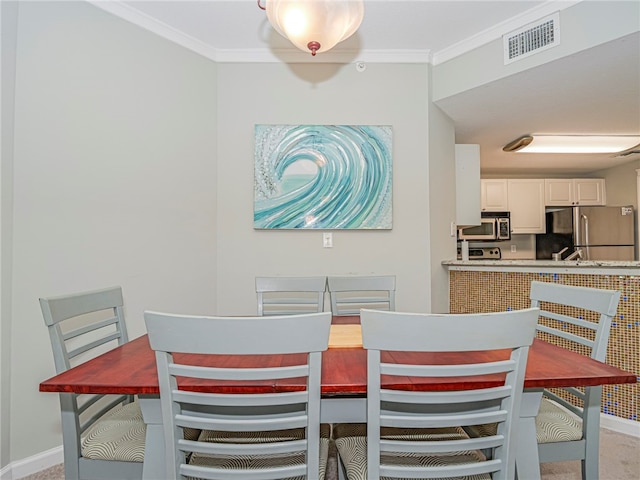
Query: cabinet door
{"points": [[526, 204], [589, 191], [468, 184], [493, 195], [558, 191]]}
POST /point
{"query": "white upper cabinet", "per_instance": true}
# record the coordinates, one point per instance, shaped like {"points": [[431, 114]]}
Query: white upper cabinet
{"points": [[526, 204], [558, 191], [574, 191], [589, 191], [493, 195], [467, 184]]}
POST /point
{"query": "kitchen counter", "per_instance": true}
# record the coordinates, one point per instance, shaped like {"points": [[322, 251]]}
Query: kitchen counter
{"points": [[602, 267]]}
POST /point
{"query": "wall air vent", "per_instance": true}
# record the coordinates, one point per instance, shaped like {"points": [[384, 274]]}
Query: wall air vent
{"points": [[532, 38]]}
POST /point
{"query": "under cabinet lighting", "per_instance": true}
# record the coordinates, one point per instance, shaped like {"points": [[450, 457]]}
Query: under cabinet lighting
{"points": [[572, 143]]}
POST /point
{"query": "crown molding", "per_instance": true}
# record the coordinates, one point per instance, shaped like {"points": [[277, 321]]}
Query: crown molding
{"points": [[293, 55], [142, 20], [261, 55]]}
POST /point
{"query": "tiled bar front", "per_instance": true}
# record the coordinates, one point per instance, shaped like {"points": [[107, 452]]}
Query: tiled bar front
{"points": [[491, 291]]}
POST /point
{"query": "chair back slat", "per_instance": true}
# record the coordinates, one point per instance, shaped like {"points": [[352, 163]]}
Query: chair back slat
{"points": [[350, 294], [574, 304], [290, 295]]}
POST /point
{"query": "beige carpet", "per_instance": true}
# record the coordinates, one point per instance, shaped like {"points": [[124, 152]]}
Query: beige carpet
{"points": [[619, 460]]}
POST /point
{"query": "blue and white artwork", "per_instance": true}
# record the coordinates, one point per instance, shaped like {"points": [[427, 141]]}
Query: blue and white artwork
{"points": [[322, 176]]}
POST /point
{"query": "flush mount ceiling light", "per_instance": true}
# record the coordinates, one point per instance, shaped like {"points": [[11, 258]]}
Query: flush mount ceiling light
{"points": [[572, 143], [315, 25]]}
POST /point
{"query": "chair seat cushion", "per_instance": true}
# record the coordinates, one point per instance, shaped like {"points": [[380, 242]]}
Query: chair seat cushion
{"points": [[261, 461], [557, 424], [553, 424], [351, 441], [120, 436], [219, 436]]}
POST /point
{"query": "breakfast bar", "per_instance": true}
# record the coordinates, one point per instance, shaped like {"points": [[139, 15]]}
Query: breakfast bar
{"points": [[498, 285]]}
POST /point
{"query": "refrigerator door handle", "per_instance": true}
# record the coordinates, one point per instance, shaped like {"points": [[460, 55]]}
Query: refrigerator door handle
{"points": [[585, 221]]}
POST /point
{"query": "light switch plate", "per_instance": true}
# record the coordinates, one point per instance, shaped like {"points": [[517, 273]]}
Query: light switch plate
{"points": [[327, 239]]}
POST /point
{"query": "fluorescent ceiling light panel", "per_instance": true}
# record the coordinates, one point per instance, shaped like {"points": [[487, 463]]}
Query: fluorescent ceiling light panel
{"points": [[580, 143]]}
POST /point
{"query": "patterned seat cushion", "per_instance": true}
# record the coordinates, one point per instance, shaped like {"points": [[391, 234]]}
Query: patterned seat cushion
{"points": [[553, 424], [485, 430], [557, 424], [261, 461], [120, 435], [351, 440]]}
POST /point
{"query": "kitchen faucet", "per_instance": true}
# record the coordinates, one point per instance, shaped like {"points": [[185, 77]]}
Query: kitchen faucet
{"points": [[558, 256], [577, 254]]}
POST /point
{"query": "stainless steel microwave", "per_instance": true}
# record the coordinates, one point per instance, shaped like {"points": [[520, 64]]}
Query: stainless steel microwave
{"points": [[494, 226]]}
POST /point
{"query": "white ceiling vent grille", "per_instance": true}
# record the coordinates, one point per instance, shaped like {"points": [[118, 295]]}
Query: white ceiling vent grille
{"points": [[532, 38]]}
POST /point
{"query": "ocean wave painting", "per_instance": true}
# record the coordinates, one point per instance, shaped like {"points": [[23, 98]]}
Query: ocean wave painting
{"points": [[322, 176]]}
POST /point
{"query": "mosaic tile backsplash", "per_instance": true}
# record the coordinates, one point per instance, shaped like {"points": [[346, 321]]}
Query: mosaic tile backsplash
{"points": [[473, 291]]}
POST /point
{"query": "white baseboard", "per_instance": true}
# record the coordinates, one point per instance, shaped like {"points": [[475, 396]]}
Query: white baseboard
{"points": [[5, 473], [49, 458], [620, 425], [33, 464]]}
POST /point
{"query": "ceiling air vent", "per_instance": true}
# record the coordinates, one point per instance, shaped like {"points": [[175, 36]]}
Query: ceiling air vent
{"points": [[532, 38]]}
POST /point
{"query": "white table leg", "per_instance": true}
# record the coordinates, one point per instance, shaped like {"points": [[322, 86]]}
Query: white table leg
{"points": [[527, 461], [343, 410], [154, 467]]}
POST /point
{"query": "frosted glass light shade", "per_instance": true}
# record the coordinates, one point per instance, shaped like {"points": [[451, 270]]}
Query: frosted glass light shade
{"points": [[574, 143], [315, 25]]}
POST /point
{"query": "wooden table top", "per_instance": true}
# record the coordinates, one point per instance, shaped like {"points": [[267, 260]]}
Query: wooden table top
{"points": [[131, 369], [345, 336]]}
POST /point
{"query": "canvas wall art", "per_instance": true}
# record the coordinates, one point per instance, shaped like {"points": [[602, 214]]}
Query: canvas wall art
{"points": [[323, 177]]}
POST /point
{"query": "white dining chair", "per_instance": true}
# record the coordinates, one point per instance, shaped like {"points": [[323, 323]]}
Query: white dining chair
{"points": [[568, 424], [419, 434], [351, 293], [244, 435], [290, 295], [103, 436]]}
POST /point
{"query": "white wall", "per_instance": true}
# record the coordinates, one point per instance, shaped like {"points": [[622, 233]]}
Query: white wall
{"points": [[442, 201], [620, 184], [8, 26], [394, 95], [114, 184], [622, 189]]}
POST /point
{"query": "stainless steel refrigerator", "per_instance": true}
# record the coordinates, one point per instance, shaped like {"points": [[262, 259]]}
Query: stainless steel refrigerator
{"points": [[602, 233]]}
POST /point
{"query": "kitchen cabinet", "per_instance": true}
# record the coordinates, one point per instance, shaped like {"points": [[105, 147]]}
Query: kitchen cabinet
{"points": [[574, 191], [493, 195], [467, 184], [525, 199]]}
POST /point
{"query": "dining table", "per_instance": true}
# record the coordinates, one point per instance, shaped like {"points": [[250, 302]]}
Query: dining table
{"points": [[131, 369]]}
